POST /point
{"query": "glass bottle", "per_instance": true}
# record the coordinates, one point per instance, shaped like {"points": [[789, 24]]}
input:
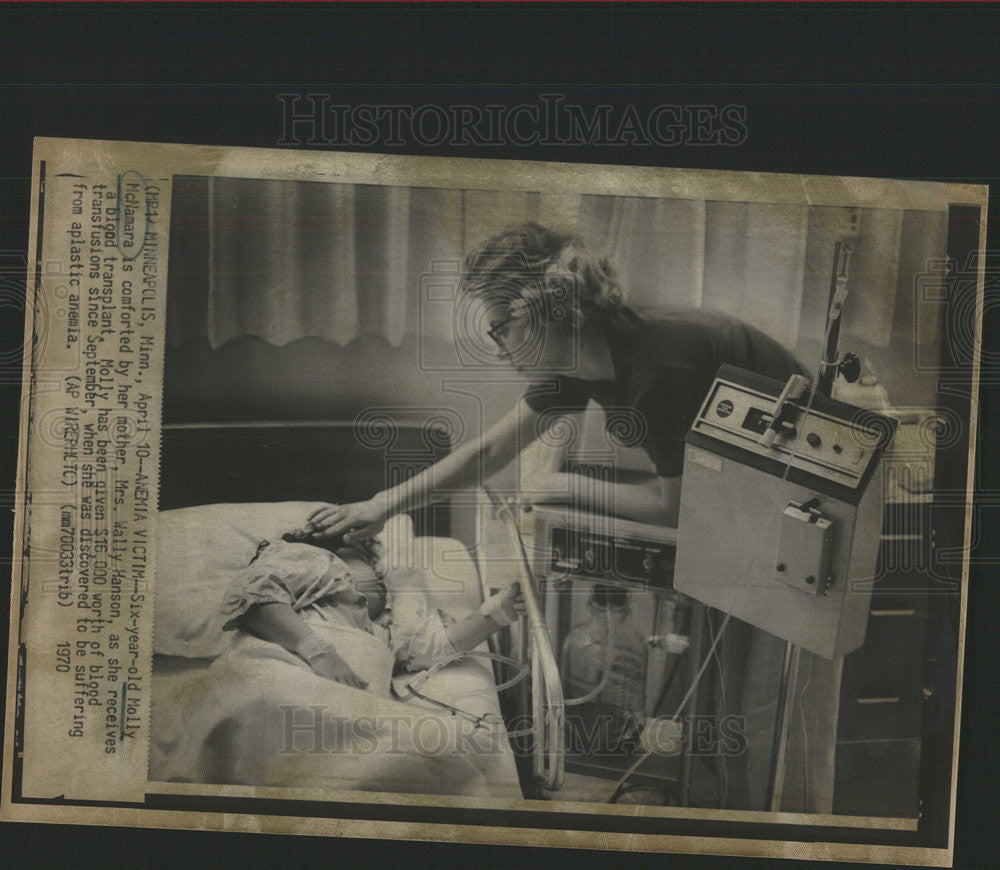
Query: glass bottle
{"points": [[606, 638]]}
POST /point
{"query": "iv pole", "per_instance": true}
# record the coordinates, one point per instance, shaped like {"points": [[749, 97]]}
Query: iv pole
{"points": [[824, 387]]}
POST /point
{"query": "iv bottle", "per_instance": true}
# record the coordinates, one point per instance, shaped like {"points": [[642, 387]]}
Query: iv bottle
{"points": [[606, 638]]}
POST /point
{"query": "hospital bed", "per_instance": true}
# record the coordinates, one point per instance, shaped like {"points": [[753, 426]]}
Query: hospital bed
{"points": [[226, 488], [213, 722], [263, 722]]}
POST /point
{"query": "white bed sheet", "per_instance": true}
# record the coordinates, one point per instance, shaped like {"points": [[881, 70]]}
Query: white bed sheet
{"points": [[256, 715]]}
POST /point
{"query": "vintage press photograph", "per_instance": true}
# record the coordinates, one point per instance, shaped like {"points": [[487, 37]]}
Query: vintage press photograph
{"points": [[571, 497], [495, 501]]}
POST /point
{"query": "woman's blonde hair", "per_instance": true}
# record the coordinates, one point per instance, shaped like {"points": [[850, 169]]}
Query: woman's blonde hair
{"points": [[555, 271]]}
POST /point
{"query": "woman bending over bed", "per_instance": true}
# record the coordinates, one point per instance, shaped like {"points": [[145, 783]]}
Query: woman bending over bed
{"points": [[312, 602]]}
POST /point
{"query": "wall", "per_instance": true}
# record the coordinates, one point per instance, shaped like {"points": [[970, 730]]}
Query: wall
{"points": [[250, 380]]}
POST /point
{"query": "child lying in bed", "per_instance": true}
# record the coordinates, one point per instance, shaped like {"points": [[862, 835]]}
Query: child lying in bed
{"points": [[303, 597]]}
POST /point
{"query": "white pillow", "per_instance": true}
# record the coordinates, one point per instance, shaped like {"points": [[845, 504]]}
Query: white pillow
{"points": [[201, 550]]}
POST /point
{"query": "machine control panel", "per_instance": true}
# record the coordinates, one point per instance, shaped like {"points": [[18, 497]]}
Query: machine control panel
{"points": [[838, 449], [781, 509], [586, 553]]}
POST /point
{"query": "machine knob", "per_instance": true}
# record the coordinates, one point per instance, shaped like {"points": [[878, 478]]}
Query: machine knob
{"points": [[813, 439]]}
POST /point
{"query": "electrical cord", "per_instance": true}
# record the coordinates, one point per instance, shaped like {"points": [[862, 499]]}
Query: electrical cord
{"points": [[722, 706], [805, 740]]}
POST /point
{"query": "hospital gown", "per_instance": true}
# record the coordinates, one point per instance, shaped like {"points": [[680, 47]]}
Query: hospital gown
{"points": [[318, 586], [261, 716]]}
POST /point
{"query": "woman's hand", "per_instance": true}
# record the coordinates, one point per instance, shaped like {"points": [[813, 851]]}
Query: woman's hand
{"points": [[356, 521]]}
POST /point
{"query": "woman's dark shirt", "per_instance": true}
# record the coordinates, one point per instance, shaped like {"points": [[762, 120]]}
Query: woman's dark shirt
{"points": [[664, 367]]}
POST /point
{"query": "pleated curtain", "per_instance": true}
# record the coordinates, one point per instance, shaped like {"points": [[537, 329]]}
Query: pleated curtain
{"points": [[288, 260]]}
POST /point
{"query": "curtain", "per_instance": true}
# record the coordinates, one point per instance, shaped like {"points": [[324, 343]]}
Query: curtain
{"points": [[287, 260]]}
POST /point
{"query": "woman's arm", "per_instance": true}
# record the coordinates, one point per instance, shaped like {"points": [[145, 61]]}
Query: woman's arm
{"points": [[465, 467], [278, 623], [654, 500]]}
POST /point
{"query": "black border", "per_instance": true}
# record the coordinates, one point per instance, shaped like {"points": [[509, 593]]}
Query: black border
{"points": [[931, 832]]}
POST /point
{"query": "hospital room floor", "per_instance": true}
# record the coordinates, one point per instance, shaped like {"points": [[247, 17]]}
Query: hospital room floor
{"points": [[655, 783], [872, 780], [878, 779]]}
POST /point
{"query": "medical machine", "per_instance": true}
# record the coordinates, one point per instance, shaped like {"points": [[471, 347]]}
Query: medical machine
{"points": [[620, 633], [781, 510]]}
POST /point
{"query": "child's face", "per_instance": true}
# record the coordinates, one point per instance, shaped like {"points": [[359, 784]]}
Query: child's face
{"points": [[366, 581]]}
